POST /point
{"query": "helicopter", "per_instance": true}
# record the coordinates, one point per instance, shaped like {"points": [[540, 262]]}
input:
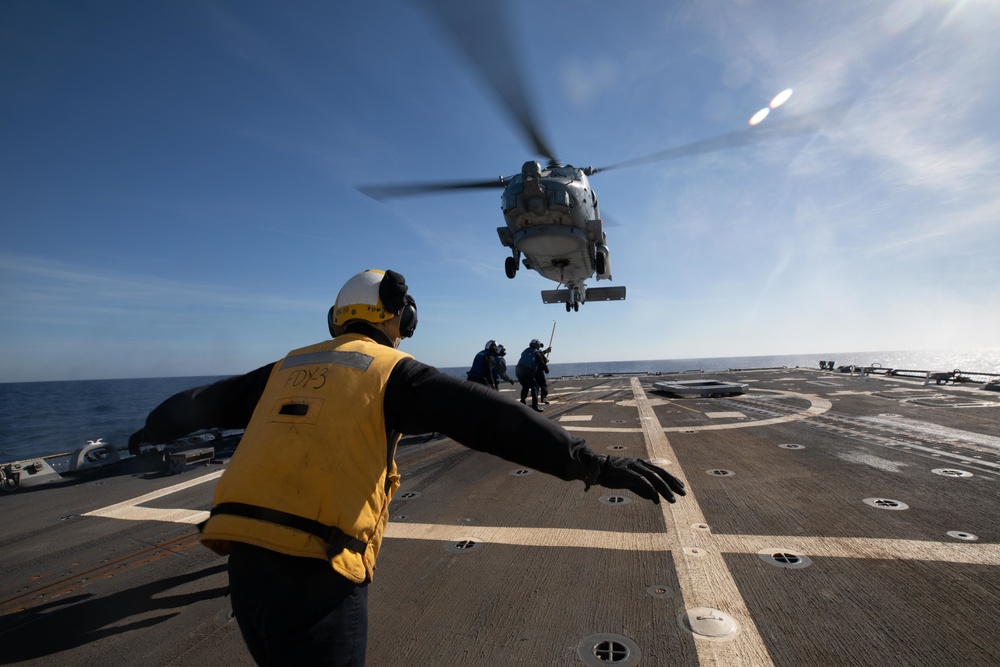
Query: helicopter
{"points": [[554, 228], [553, 224]]}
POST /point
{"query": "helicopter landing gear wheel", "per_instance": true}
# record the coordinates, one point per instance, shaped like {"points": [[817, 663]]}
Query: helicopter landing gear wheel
{"points": [[576, 307], [510, 266], [601, 264], [568, 307]]}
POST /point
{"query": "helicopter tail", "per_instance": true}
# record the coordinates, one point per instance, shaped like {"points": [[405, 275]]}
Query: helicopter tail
{"points": [[590, 294], [606, 293]]}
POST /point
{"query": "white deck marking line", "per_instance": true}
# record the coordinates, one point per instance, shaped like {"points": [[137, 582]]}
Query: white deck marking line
{"points": [[600, 429], [817, 406], [576, 418], [934, 430], [129, 510], [524, 536], [866, 548], [968, 460], [835, 547], [702, 574], [814, 547]]}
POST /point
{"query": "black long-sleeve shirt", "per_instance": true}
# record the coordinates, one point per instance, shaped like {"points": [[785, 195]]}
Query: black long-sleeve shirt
{"points": [[418, 399]]}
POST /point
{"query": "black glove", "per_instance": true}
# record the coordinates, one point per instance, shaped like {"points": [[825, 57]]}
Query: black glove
{"points": [[641, 477], [135, 441]]}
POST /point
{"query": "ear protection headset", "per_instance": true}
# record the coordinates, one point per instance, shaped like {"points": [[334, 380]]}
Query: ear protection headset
{"points": [[392, 292]]}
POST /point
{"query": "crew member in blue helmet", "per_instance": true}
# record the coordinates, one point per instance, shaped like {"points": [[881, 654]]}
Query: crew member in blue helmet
{"points": [[527, 370], [483, 369], [303, 504], [500, 367]]}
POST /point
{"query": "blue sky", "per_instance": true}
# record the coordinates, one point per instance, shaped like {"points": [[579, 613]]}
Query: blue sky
{"points": [[177, 178]]}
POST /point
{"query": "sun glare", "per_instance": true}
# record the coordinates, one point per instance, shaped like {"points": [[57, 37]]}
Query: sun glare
{"points": [[780, 98], [776, 102], [759, 116]]}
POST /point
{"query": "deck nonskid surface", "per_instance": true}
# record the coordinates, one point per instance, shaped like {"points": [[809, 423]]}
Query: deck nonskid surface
{"points": [[830, 519]]}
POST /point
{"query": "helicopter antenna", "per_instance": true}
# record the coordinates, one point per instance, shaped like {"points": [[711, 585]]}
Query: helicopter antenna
{"points": [[479, 31]]}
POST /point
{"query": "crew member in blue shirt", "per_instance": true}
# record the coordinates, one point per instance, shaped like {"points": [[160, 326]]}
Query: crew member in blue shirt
{"points": [[483, 369], [500, 367], [543, 370], [527, 369]]}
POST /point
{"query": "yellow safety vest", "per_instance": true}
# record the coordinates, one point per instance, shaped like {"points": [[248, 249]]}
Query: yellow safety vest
{"points": [[316, 449]]}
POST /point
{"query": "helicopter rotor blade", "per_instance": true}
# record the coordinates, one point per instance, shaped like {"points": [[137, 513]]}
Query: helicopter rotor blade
{"points": [[807, 123], [383, 192], [479, 31]]}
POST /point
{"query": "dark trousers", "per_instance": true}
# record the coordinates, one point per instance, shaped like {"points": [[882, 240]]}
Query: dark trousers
{"points": [[528, 383], [297, 611], [478, 379], [543, 386]]}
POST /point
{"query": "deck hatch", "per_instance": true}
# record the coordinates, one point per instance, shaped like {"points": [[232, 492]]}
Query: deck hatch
{"points": [[709, 623]]}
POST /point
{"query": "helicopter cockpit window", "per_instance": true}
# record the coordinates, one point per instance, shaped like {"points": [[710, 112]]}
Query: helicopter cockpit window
{"points": [[560, 198]]}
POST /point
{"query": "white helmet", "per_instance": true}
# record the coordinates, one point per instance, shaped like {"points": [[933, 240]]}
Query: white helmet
{"points": [[374, 296], [358, 299]]}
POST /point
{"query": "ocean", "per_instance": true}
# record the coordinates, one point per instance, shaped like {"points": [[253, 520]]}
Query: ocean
{"points": [[41, 418]]}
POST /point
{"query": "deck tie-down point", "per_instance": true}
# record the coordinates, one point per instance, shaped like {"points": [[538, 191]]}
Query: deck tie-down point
{"points": [[608, 649], [886, 504]]}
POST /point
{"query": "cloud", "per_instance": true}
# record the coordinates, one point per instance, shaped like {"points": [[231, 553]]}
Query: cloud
{"points": [[50, 290]]}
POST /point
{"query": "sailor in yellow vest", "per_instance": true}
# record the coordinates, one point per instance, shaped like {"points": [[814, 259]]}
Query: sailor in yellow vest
{"points": [[302, 506]]}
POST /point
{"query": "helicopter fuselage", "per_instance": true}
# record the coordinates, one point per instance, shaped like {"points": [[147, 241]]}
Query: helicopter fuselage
{"points": [[554, 222]]}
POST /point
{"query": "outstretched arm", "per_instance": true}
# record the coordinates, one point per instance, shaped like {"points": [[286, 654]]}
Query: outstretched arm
{"points": [[227, 403], [419, 399]]}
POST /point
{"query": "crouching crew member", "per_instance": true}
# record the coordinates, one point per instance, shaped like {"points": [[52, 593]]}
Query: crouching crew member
{"points": [[483, 369], [501, 366]]}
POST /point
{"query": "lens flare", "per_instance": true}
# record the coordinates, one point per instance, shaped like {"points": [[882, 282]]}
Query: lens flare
{"points": [[759, 116], [780, 98]]}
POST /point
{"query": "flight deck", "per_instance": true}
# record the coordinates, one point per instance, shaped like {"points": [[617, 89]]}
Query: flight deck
{"points": [[831, 519]]}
